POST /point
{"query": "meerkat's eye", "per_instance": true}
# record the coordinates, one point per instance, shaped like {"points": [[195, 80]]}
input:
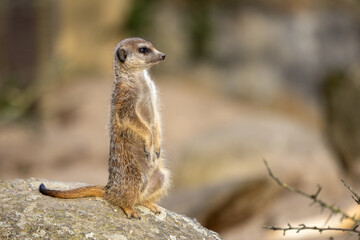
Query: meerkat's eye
{"points": [[144, 50]]}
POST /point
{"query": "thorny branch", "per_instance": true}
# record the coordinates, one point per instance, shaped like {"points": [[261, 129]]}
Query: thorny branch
{"points": [[302, 227], [314, 197], [354, 196]]}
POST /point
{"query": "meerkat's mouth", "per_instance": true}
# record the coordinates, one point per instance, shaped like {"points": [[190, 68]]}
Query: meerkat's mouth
{"points": [[153, 61]]}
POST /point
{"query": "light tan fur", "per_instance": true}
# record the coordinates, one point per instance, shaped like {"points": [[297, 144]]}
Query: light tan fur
{"points": [[136, 171]]}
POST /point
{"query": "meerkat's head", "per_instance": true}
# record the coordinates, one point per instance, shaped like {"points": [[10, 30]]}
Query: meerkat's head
{"points": [[136, 54]]}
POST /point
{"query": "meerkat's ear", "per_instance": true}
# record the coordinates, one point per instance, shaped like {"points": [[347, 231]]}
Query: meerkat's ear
{"points": [[121, 54]]}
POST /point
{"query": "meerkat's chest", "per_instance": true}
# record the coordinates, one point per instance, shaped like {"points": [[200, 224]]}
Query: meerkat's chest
{"points": [[151, 98], [151, 86]]}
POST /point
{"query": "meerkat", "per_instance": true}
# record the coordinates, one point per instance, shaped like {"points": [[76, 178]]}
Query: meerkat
{"points": [[137, 175]]}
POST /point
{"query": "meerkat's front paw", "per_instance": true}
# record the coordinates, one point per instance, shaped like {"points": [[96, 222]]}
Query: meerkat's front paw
{"points": [[147, 152], [158, 152], [157, 149]]}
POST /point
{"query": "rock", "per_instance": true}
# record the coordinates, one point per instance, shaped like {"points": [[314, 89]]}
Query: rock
{"points": [[225, 205], [221, 179], [278, 42], [27, 214], [342, 95], [235, 151]]}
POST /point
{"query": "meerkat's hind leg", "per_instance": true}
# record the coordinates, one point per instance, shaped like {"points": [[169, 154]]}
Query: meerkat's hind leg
{"points": [[152, 206], [131, 213]]}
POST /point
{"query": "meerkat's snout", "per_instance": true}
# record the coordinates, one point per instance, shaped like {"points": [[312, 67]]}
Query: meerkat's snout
{"points": [[154, 57], [159, 55]]}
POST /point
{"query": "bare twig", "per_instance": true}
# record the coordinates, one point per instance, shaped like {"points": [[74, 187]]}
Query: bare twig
{"points": [[303, 227], [314, 197], [354, 196]]}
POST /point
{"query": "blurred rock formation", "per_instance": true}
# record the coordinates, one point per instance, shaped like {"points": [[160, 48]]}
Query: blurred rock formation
{"points": [[342, 96]]}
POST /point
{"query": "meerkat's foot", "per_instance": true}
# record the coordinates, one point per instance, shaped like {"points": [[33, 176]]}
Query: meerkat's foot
{"points": [[131, 213], [152, 206]]}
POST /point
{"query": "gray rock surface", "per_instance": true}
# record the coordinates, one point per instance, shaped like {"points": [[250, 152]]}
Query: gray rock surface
{"points": [[27, 214]]}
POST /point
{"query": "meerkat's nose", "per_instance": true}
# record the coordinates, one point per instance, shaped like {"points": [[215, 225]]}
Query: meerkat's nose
{"points": [[163, 56]]}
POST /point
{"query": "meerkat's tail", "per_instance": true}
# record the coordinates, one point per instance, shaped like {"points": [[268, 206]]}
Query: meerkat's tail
{"points": [[89, 191]]}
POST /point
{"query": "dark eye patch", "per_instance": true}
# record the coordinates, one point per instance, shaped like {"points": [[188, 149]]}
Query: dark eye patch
{"points": [[144, 50]]}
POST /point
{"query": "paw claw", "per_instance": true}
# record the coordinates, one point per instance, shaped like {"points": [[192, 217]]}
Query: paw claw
{"points": [[147, 153], [135, 215]]}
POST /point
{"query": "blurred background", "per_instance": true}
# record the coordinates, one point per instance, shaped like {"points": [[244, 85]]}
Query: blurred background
{"points": [[243, 81]]}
